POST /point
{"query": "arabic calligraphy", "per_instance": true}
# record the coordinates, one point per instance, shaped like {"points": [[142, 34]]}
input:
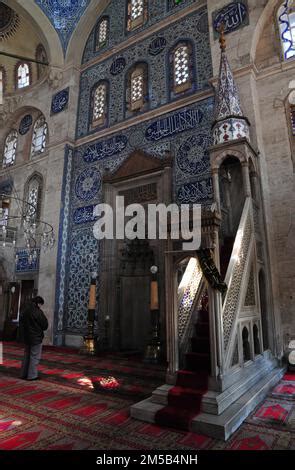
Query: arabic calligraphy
{"points": [[82, 215], [232, 16], [60, 101], [157, 46], [174, 124], [197, 192], [105, 149], [118, 66], [23, 264], [25, 124]]}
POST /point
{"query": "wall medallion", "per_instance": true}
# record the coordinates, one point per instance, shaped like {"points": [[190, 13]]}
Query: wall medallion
{"points": [[118, 66], [193, 156], [233, 16], [60, 101], [88, 184], [25, 124], [157, 46]]}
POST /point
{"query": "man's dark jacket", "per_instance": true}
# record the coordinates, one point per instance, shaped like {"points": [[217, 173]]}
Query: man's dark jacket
{"points": [[32, 323]]}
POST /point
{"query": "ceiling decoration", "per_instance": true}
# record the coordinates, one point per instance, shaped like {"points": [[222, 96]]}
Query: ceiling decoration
{"points": [[64, 15], [9, 22]]}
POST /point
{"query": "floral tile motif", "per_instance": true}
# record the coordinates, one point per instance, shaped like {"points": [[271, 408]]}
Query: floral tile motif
{"points": [[64, 15]]}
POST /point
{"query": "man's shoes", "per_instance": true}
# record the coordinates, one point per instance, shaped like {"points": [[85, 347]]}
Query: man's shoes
{"points": [[35, 378]]}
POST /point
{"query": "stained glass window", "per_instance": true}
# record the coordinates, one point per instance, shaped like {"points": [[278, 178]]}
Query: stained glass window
{"points": [[99, 104], [102, 33], [10, 149], [286, 19], [39, 136], [137, 13], [23, 75]]}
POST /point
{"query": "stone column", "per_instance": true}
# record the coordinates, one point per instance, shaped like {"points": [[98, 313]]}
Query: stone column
{"points": [[215, 177], [246, 179], [171, 316]]}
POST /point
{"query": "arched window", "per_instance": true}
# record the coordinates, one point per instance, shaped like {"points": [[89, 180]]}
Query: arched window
{"points": [[181, 63], [39, 136], [4, 211], [23, 75], [286, 21], [10, 149], [100, 108], [41, 56], [33, 195], [102, 32], [136, 14], [137, 87], [2, 84]]}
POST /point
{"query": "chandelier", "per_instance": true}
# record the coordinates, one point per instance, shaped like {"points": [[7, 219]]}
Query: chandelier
{"points": [[24, 225]]}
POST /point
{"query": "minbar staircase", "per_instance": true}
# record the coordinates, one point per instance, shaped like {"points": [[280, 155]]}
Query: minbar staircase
{"points": [[216, 404], [185, 398]]}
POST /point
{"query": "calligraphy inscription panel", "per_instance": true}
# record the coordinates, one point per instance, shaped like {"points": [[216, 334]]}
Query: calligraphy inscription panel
{"points": [[235, 15]]}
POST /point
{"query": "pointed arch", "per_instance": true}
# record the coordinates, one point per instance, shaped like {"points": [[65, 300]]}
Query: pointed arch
{"points": [[47, 33]]}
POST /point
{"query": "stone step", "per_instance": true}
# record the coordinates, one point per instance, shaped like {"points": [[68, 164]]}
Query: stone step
{"points": [[223, 426], [145, 410], [217, 402]]}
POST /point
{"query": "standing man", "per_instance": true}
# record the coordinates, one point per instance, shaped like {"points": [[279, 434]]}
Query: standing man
{"points": [[32, 323]]}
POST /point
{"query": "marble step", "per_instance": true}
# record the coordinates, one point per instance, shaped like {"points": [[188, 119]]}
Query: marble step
{"points": [[224, 425]]}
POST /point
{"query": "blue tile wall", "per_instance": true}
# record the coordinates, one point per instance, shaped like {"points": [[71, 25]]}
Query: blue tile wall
{"points": [[193, 28], [185, 133], [116, 12], [23, 265]]}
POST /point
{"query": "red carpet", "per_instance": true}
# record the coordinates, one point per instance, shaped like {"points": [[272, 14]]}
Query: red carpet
{"points": [[185, 399], [60, 412]]}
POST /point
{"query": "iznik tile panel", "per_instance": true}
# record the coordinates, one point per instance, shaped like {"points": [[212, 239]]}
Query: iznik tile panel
{"points": [[116, 11], [154, 51]]}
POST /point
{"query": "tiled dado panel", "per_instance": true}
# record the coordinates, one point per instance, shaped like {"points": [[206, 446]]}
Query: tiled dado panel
{"points": [[154, 51], [117, 14]]}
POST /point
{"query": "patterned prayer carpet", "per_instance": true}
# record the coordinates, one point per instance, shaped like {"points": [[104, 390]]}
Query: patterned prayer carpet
{"points": [[83, 403]]}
